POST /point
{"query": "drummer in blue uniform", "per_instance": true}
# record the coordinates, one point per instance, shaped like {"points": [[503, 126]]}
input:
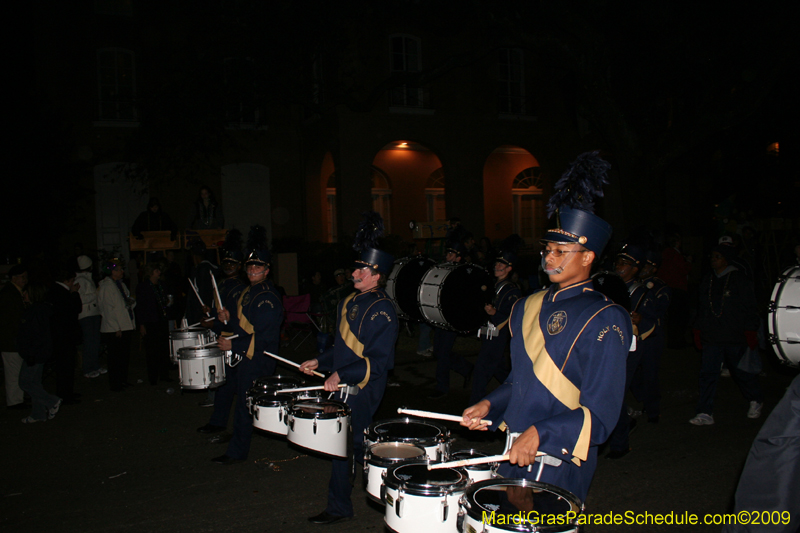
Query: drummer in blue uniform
{"points": [[649, 320], [494, 336], [230, 289], [257, 322], [568, 349], [362, 354], [628, 263]]}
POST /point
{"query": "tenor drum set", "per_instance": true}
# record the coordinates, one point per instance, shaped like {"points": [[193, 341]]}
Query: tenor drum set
{"points": [[449, 296], [784, 316]]}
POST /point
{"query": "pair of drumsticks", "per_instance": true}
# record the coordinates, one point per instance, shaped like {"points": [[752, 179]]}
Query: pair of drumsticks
{"points": [[216, 293]]}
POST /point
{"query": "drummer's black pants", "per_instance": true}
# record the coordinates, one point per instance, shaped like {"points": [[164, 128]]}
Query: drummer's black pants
{"points": [[248, 370]]}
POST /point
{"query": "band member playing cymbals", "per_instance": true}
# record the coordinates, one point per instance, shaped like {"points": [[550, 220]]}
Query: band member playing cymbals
{"points": [[256, 321], [363, 353], [568, 349]]}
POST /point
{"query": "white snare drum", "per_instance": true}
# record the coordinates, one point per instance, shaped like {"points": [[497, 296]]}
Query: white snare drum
{"points": [[476, 473], [320, 425], [201, 368], [434, 438], [271, 411], [784, 316], [453, 296], [495, 506], [379, 457], [269, 384], [418, 499], [188, 337]]}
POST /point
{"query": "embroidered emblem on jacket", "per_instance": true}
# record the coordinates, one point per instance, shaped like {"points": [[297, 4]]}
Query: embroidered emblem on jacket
{"points": [[353, 312], [557, 322], [246, 299], [379, 313]]}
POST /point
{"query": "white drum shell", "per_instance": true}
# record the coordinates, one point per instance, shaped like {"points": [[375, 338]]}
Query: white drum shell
{"points": [[784, 317], [274, 417], [375, 467], [184, 338], [201, 372], [429, 293], [436, 448], [328, 436]]}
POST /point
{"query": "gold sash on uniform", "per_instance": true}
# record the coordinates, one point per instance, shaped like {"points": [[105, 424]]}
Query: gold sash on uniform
{"points": [[350, 339]]}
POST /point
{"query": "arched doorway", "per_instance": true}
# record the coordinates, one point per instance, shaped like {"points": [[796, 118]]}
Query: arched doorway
{"points": [[501, 175]]}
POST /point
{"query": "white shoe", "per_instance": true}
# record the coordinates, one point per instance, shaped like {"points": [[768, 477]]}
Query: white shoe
{"points": [[755, 410], [725, 373], [92, 374], [103, 370], [634, 413], [30, 420], [702, 419], [53, 410]]}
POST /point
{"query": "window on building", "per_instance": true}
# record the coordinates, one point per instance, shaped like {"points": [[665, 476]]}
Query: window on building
{"points": [[434, 196], [330, 197], [528, 204], [116, 85], [240, 92], [405, 59], [382, 198], [510, 82]]}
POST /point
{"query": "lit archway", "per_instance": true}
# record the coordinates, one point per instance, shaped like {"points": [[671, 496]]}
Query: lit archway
{"points": [[501, 175]]}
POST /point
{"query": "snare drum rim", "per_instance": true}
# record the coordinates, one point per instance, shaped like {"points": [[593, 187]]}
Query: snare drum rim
{"points": [[193, 352], [386, 462], [187, 334], [423, 489], [272, 399], [374, 437], [475, 511], [472, 452], [296, 411]]}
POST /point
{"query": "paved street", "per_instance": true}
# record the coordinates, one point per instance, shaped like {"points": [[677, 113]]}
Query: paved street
{"points": [[133, 461]]}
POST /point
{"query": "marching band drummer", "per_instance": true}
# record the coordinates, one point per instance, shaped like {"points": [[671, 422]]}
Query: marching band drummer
{"points": [[490, 357], [363, 353], [257, 322], [568, 349], [230, 289]]}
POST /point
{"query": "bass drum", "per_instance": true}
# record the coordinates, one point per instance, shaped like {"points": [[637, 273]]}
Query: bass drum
{"points": [[505, 501], [784, 317], [453, 296], [403, 284]]}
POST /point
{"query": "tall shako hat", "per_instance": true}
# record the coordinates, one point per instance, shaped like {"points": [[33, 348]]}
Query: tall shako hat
{"points": [[507, 258], [456, 248], [634, 254], [257, 251], [654, 258], [370, 229], [573, 204], [231, 250]]}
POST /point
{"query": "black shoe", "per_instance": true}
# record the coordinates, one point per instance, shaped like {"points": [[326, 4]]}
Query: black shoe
{"points": [[326, 518], [225, 460], [654, 419], [614, 454], [437, 395], [210, 428], [468, 378], [220, 438]]}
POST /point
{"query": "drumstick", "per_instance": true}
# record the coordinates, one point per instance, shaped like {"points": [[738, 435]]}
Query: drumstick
{"points": [[217, 342], [292, 363], [193, 325], [197, 294], [318, 387], [436, 416], [475, 461], [216, 292]]}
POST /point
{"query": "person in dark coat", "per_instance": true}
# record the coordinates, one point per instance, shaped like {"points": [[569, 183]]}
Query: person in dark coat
{"points": [[36, 347], [11, 309], [152, 307], [153, 219], [207, 213], [66, 330]]}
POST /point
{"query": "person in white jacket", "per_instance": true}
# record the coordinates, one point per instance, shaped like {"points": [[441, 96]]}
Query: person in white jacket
{"points": [[117, 325], [89, 318]]}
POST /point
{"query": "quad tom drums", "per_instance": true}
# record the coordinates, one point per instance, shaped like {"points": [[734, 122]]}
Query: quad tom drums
{"points": [[403, 283], [495, 506], [480, 472], [271, 412], [381, 456], [432, 437], [201, 368], [784, 316], [453, 296], [417, 499]]}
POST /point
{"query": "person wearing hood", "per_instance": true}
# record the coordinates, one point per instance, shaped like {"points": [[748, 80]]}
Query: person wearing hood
{"points": [[153, 219]]}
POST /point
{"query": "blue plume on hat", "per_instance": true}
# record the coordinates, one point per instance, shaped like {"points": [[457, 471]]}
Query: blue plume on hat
{"points": [[581, 183], [257, 246], [232, 247], [370, 229]]}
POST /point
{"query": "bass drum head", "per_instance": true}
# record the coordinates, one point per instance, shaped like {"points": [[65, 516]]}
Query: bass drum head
{"points": [[466, 291], [784, 317], [507, 498], [407, 276]]}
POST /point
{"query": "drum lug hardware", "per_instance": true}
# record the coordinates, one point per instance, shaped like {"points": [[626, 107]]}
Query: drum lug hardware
{"points": [[398, 508], [445, 508], [340, 427], [773, 339], [460, 519], [772, 306], [280, 414], [291, 424], [315, 426], [255, 414]]}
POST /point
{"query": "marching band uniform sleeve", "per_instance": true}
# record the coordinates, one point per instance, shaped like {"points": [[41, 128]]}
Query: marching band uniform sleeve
{"points": [[508, 296], [653, 308]]}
